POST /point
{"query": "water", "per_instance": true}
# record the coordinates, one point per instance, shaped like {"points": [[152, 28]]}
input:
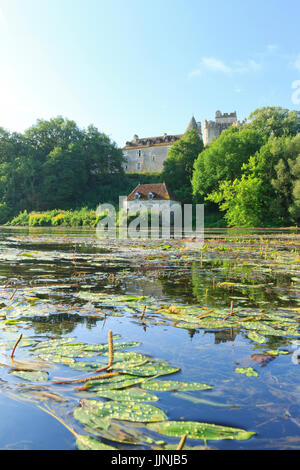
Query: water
{"points": [[256, 270]]}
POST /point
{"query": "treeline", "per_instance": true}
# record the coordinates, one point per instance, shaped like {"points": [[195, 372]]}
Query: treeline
{"points": [[250, 173], [248, 176], [56, 165]]}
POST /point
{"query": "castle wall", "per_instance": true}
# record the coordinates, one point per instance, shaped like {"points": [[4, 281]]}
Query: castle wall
{"points": [[212, 129], [145, 159], [149, 154]]}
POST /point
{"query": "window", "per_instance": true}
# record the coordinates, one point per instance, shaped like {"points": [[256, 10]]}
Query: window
{"points": [[136, 196], [150, 196], [139, 153], [138, 166]]}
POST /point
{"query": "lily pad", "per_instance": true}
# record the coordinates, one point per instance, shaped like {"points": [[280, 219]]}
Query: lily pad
{"points": [[33, 376], [152, 368], [128, 411], [249, 371], [196, 430], [131, 394], [91, 443], [172, 385]]}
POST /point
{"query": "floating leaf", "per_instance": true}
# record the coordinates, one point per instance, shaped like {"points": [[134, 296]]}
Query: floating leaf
{"points": [[33, 376], [249, 371], [273, 352], [152, 368], [256, 337], [196, 430], [172, 385], [91, 443], [128, 411], [131, 394]]}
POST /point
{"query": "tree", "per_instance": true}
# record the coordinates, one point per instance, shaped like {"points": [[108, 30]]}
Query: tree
{"points": [[267, 193], [276, 121], [54, 164], [178, 167], [222, 160]]}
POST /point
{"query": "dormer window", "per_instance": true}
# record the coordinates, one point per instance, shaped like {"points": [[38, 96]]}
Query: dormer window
{"points": [[137, 196], [150, 196]]}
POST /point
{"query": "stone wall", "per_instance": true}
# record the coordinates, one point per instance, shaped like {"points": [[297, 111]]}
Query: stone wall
{"points": [[146, 159], [212, 129], [149, 154]]}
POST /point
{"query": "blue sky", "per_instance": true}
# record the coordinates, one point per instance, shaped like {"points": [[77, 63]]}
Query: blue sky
{"points": [[145, 67]]}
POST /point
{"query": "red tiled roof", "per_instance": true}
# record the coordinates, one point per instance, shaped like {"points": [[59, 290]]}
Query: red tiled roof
{"points": [[159, 190]]}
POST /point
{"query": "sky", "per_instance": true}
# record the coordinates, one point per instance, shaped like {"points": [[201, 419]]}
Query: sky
{"points": [[145, 67]]}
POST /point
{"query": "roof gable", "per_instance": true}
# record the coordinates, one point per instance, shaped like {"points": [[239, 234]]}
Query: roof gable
{"points": [[159, 190]]}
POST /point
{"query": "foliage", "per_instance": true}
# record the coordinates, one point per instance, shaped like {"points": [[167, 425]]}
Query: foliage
{"points": [[251, 172], [76, 218], [56, 164], [223, 159], [275, 121], [57, 174], [195, 430], [178, 167]]}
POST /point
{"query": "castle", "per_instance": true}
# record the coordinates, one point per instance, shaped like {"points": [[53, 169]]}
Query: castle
{"points": [[148, 154]]}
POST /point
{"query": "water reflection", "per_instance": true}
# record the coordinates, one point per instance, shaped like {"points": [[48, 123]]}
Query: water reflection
{"points": [[58, 264]]}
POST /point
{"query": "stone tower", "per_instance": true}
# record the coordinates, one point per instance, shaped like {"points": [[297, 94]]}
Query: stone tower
{"points": [[195, 125], [212, 129]]}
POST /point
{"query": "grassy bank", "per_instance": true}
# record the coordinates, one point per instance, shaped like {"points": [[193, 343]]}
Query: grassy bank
{"points": [[71, 218], [83, 217]]}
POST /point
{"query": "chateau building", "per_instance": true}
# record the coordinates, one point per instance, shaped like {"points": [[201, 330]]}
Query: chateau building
{"points": [[149, 153]]}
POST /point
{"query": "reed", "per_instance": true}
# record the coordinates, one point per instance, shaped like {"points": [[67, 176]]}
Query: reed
{"points": [[143, 312], [15, 346], [182, 442]]}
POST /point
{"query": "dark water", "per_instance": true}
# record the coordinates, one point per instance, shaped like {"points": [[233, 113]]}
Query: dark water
{"points": [[262, 266]]}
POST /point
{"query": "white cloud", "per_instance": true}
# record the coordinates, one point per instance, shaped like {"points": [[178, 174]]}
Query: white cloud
{"points": [[212, 64], [245, 67]]}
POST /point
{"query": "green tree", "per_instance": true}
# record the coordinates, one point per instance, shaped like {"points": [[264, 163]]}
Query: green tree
{"points": [[241, 200], [54, 164], [222, 160], [267, 192], [178, 167], [276, 121]]}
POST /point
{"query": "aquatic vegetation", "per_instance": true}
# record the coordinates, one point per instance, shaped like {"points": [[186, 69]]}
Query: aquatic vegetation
{"points": [[190, 321], [202, 431], [249, 371]]}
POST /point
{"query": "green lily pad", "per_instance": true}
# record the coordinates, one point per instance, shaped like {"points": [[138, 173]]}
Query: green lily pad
{"points": [[249, 371], [131, 394], [128, 411], [152, 368], [256, 337], [172, 385], [91, 443], [196, 430], [33, 376]]}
